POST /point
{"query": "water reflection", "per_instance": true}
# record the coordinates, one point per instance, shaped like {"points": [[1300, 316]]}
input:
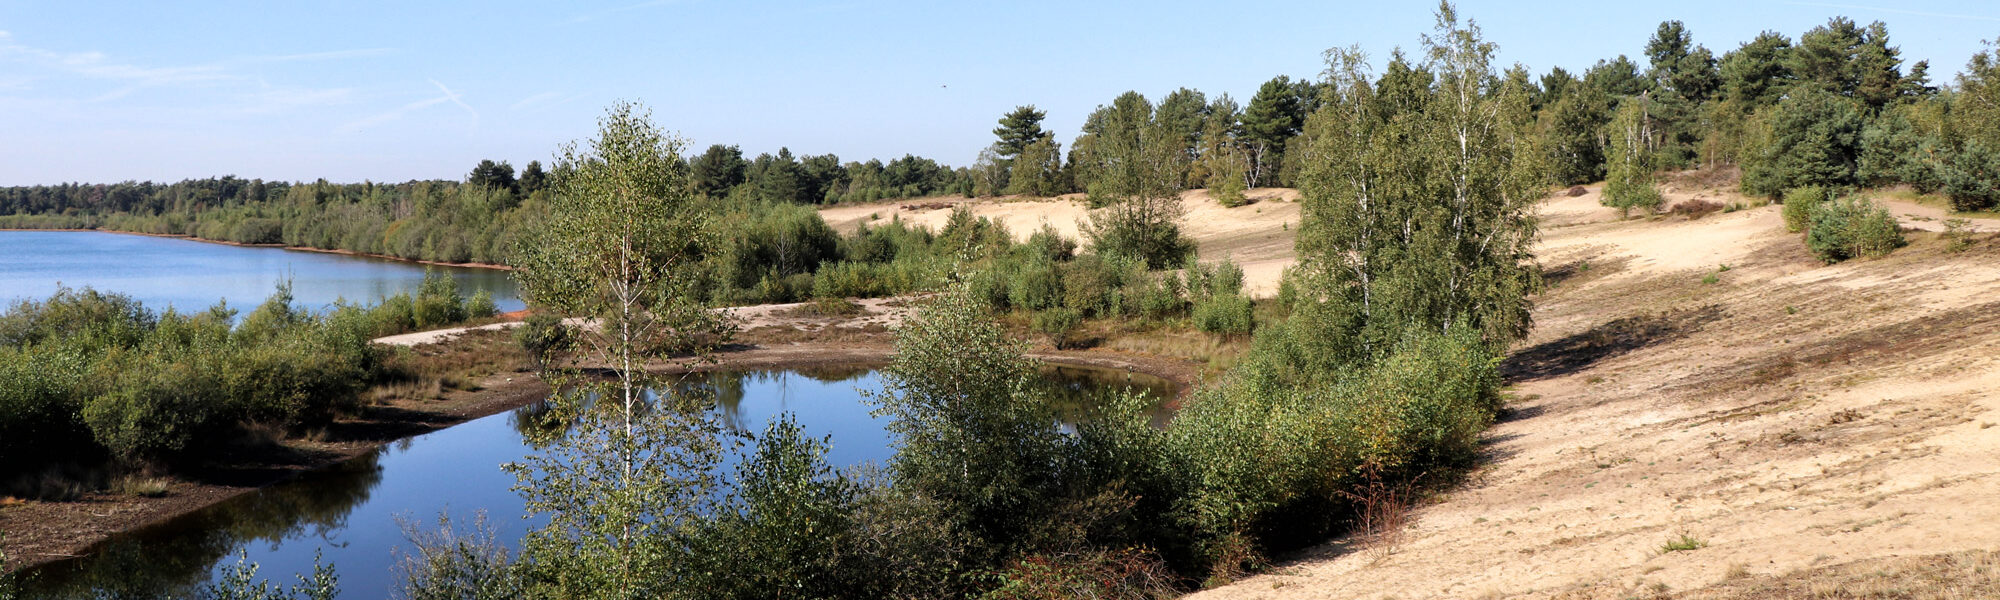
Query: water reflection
{"points": [[174, 558], [350, 512], [192, 276]]}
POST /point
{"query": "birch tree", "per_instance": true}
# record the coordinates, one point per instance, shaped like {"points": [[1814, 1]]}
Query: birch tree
{"points": [[620, 250]]}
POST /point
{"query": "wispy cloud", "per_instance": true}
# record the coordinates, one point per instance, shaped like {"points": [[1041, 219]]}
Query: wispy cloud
{"points": [[1899, 11], [134, 77], [406, 109], [392, 115]]}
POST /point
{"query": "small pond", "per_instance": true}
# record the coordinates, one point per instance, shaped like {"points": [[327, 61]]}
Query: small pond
{"points": [[349, 514]]}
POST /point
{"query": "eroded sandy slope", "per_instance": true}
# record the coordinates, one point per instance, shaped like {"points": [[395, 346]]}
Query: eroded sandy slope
{"points": [[1790, 415]]}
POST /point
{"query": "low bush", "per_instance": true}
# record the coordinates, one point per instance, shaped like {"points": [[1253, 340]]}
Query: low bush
{"points": [[1695, 209], [1852, 227], [85, 375], [1799, 203], [544, 338], [1036, 286], [1224, 314], [1058, 324]]}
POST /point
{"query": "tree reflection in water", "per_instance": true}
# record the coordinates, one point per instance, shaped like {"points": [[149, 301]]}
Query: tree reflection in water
{"points": [[295, 518], [174, 558]]}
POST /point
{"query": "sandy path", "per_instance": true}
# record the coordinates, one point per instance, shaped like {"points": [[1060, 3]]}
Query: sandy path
{"points": [[1790, 415], [1931, 218]]}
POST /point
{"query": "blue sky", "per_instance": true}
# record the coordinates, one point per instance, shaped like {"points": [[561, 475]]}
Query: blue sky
{"points": [[390, 91]]}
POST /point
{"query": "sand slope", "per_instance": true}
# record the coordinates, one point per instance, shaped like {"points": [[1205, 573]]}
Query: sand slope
{"points": [[1790, 415]]}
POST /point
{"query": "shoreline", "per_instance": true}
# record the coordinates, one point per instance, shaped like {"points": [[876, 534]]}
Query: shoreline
{"points": [[43, 532], [181, 236]]}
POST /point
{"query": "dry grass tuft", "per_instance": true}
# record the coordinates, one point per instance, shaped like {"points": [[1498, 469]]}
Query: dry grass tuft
{"points": [[141, 486]]}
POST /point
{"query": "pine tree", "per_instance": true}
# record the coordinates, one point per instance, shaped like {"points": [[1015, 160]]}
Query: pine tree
{"points": [[1017, 129], [1273, 118]]}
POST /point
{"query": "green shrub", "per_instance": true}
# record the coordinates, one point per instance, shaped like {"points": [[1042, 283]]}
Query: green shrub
{"points": [[1050, 244], [1972, 178], [154, 408], [1037, 286], [1086, 287], [851, 280], [438, 301], [1224, 314], [1799, 203], [790, 526], [39, 405], [481, 305], [544, 338], [1163, 296], [89, 317], [1852, 227], [1058, 324]]}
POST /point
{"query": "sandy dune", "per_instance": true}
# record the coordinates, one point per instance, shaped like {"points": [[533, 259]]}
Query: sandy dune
{"points": [[1790, 415]]}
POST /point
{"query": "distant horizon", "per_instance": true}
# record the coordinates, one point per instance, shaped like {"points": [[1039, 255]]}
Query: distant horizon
{"points": [[427, 92]]}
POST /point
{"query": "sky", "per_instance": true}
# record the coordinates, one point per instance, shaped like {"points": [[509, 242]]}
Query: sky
{"points": [[391, 91]]}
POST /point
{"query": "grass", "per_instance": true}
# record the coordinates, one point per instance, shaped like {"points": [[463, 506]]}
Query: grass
{"points": [[830, 307], [1683, 542], [141, 486], [430, 372]]}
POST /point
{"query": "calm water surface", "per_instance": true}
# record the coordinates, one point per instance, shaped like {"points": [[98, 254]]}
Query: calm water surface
{"points": [[349, 514], [192, 276]]}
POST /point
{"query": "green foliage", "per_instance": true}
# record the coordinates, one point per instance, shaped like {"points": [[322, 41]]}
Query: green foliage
{"points": [[240, 582], [545, 339], [1799, 205], [969, 433], [1418, 214], [1893, 151], [1972, 178], [1087, 286], [625, 240], [449, 564], [1852, 227], [1136, 162], [86, 375], [438, 301], [1224, 314], [1051, 244], [790, 528], [1058, 324], [1629, 183], [1815, 139], [1037, 286]]}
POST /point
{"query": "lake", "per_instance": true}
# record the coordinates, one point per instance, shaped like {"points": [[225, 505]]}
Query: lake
{"points": [[349, 515], [192, 276]]}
